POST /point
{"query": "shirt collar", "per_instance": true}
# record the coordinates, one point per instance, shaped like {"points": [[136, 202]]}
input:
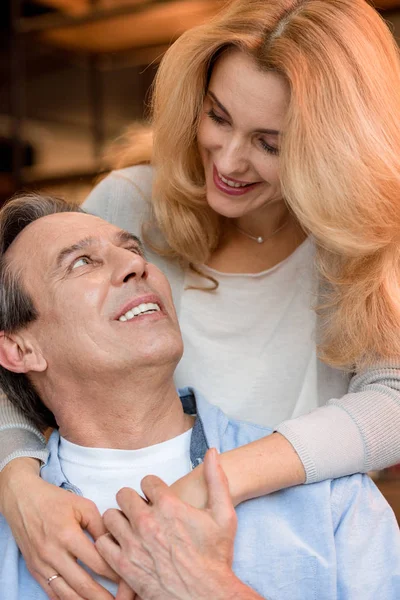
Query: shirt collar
{"points": [[193, 404]]}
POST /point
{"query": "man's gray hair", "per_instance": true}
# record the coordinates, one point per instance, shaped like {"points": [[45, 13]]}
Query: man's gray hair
{"points": [[17, 308]]}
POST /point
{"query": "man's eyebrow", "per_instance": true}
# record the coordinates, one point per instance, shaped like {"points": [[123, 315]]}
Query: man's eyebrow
{"points": [[121, 237], [222, 107], [77, 247]]}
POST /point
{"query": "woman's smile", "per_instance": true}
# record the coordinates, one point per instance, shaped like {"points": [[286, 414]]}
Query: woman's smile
{"points": [[230, 186]]}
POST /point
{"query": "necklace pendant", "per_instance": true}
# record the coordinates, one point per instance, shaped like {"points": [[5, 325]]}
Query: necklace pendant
{"points": [[260, 240]]}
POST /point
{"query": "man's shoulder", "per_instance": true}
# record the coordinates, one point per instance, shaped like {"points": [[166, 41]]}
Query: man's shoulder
{"points": [[221, 431], [16, 582]]}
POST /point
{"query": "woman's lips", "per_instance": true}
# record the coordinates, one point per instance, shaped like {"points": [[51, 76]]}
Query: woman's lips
{"points": [[231, 191]]}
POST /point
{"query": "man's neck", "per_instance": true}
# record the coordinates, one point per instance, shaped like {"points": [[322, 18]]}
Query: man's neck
{"points": [[123, 414]]}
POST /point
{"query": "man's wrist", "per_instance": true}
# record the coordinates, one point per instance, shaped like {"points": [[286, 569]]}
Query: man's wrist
{"points": [[230, 587]]}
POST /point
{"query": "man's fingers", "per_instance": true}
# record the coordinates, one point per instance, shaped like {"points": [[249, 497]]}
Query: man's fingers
{"points": [[219, 497], [119, 527], [109, 549], [130, 502], [156, 489], [125, 592]]}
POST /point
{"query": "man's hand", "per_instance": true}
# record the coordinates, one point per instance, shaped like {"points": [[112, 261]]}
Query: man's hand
{"points": [[168, 550]]}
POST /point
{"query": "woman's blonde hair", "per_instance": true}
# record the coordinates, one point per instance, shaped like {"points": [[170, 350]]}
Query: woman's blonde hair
{"points": [[339, 157]]}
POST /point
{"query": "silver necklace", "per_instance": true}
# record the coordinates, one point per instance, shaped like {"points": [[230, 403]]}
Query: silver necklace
{"points": [[259, 239]]}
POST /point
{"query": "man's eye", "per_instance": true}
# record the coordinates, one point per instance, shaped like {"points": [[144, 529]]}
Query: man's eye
{"points": [[134, 249], [80, 262]]}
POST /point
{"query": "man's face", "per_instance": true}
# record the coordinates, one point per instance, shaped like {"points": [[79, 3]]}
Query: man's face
{"points": [[87, 279]]}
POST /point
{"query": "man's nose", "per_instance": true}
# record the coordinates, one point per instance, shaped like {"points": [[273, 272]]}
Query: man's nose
{"points": [[127, 265]]}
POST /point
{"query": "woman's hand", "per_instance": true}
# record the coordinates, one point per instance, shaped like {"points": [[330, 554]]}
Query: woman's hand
{"points": [[192, 488], [167, 550], [48, 523]]}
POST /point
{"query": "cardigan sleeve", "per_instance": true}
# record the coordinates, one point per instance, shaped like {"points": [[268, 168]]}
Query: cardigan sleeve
{"points": [[18, 436], [122, 199], [357, 433]]}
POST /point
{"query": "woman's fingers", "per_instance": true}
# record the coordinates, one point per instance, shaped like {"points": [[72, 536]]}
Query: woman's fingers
{"points": [[130, 503], [58, 589], [73, 582], [80, 547], [49, 591], [48, 528], [91, 520]]}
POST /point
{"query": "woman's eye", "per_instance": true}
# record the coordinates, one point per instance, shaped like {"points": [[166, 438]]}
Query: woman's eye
{"points": [[268, 148], [216, 118], [80, 262]]}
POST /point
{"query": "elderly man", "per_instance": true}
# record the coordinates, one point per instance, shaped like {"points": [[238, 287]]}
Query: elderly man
{"points": [[89, 343]]}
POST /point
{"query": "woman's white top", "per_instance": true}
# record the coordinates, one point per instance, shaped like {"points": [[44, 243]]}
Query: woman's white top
{"points": [[250, 345]]}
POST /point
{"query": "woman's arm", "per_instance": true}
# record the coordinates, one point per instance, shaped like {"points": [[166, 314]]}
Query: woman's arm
{"points": [[259, 468], [357, 433], [353, 434], [18, 436]]}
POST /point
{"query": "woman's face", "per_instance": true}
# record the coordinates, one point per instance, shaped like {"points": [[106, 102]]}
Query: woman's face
{"points": [[239, 136]]}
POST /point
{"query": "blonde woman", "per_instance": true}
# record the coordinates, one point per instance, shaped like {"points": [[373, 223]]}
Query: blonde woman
{"points": [[274, 189]]}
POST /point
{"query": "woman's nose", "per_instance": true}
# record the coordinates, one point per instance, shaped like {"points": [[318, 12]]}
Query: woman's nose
{"points": [[233, 158]]}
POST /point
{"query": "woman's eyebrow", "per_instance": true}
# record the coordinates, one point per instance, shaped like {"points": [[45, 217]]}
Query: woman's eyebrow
{"points": [[222, 107]]}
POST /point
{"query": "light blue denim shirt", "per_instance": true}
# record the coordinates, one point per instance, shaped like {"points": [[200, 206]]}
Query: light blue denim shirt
{"points": [[334, 540]]}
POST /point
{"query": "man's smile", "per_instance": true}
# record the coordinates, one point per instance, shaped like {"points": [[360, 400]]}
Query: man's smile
{"points": [[141, 306]]}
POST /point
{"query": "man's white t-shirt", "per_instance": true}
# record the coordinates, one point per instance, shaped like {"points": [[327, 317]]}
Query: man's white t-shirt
{"points": [[100, 473]]}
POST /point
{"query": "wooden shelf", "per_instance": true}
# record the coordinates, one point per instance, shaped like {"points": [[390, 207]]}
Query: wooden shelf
{"points": [[118, 26], [152, 26]]}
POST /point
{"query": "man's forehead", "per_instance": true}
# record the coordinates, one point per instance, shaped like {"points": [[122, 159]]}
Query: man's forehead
{"points": [[43, 238]]}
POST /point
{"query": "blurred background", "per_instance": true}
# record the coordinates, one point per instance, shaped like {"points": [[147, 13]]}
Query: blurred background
{"points": [[74, 74]]}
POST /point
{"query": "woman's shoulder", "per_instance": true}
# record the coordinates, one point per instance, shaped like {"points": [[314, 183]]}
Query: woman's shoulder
{"points": [[123, 197], [138, 176]]}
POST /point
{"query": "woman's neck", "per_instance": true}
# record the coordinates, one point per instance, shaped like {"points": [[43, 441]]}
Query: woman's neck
{"points": [[240, 253]]}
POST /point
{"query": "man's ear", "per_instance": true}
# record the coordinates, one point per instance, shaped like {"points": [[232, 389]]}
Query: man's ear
{"points": [[19, 355]]}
